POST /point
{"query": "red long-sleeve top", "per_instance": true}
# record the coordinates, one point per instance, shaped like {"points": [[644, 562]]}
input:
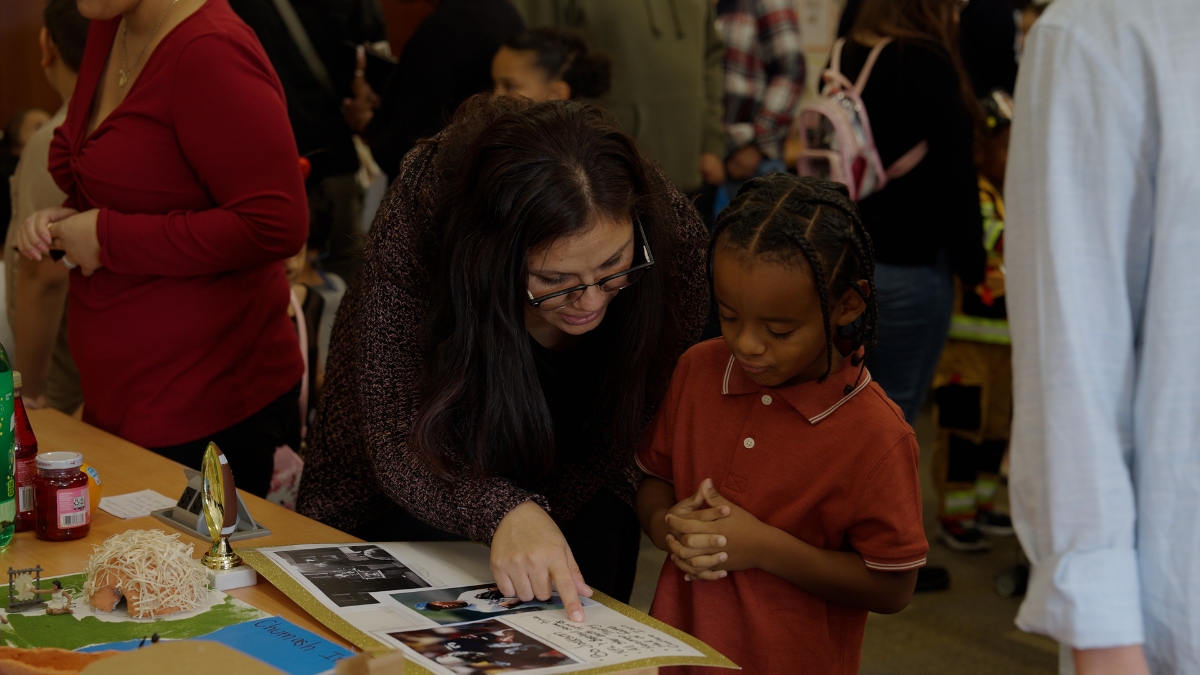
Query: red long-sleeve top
{"points": [[184, 331]]}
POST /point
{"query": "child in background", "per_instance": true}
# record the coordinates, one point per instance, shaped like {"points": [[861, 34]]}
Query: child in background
{"points": [[782, 481], [973, 384], [550, 64]]}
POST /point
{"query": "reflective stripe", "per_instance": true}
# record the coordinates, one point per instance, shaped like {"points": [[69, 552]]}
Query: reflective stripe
{"points": [[960, 502], [992, 229], [979, 329], [986, 489]]}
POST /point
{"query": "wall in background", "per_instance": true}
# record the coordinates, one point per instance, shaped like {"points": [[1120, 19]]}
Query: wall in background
{"points": [[818, 29]]}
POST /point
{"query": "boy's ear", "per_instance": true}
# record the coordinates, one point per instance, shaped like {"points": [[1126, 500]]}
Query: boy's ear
{"points": [[851, 305]]}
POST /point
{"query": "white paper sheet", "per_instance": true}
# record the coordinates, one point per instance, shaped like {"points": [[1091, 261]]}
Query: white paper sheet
{"points": [[135, 504]]}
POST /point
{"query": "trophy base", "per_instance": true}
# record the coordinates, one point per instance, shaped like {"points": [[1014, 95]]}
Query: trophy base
{"points": [[237, 577]]}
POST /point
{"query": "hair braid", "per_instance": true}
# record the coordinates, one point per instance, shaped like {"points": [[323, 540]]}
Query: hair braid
{"points": [[786, 218], [814, 261]]}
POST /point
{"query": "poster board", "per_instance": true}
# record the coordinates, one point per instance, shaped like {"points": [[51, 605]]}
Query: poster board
{"points": [[221, 618], [378, 597]]}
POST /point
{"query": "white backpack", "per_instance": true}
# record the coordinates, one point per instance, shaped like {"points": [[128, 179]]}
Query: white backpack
{"points": [[838, 144]]}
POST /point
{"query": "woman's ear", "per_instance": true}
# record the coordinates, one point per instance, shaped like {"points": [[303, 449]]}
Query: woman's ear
{"points": [[559, 91], [851, 305]]}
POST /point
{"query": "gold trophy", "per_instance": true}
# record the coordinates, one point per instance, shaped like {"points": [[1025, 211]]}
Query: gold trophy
{"points": [[221, 513]]}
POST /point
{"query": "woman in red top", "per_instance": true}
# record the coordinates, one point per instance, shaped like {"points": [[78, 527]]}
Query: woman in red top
{"points": [[184, 196]]}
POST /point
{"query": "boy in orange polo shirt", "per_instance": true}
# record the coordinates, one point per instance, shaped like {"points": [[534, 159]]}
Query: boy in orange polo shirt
{"points": [[780, 478]]}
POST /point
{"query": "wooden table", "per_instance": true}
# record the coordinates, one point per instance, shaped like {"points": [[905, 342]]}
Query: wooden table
{"points": [[125, 467]]}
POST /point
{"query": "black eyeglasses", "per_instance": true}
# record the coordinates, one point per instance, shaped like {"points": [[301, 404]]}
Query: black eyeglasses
{"points": [[609, 284]]}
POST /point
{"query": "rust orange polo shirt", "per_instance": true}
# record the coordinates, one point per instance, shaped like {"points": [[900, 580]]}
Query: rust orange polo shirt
{"points": [[835, 470]]}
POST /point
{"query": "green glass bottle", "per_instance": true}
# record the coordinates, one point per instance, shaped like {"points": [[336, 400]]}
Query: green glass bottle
{"points": [[8, 481]]}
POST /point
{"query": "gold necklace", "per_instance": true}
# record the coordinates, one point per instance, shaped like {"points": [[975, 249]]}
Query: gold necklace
{"points": [[124, 72]]}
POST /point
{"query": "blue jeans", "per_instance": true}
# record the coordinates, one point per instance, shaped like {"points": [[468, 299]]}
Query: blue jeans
{"points": [[915, 304]]}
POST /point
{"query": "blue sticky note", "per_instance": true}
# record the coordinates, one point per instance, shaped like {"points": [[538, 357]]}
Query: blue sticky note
{"points": [[273, 640]]}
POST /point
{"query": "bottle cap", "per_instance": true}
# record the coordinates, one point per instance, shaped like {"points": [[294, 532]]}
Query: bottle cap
{"points": [[16, 380], [59, 460]]}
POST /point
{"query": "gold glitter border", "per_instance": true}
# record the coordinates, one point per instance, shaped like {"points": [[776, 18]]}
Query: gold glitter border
{"points": [[292, 588]]}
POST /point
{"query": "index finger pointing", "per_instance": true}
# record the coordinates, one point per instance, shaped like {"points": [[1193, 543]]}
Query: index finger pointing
{"points": [[564, 582]]}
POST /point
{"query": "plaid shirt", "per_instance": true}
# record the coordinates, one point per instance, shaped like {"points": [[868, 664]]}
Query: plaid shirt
{"points": [[764, 72]]}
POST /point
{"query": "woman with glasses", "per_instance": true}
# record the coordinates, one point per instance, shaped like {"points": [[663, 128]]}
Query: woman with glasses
{"points": [[527, 289]]}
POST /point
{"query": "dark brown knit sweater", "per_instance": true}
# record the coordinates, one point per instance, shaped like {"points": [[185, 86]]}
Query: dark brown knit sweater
{"points": [[358, 464]]}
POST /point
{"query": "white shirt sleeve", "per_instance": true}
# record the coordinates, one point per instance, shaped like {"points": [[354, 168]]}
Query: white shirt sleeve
{"points": [[1080, 220]]}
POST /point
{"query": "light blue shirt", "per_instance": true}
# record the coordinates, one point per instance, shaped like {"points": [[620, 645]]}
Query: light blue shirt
{"points": [[1103, 257]]}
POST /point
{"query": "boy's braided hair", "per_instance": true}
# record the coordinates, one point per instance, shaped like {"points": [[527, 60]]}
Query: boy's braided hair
{"points": [[790, 220]]}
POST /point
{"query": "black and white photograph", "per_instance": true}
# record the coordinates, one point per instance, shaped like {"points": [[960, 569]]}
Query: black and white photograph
{"points": [[483, 648], [347, 575], [460, 604]]}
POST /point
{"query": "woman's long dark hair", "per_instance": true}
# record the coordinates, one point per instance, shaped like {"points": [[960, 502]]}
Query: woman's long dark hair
{"points": [[930, 21], [533, 173]]}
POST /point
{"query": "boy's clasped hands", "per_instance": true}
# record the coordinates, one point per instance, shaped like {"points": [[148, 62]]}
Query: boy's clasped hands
{"points": [[709, 536]]}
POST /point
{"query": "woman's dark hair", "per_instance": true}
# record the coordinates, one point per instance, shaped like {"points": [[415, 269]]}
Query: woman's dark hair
{"points": [[790, 220], [68, 29], [930, 21], [563, 55], [532, 173]]}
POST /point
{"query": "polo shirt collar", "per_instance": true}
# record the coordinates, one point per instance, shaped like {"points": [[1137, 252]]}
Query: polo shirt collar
{"points": [[815, 400]]}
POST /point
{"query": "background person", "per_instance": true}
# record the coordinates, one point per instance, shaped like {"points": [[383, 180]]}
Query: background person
{"points": [[988, 41], [764, 81], [447, 60], [925, 225], [20, 129], [550, 64], [668, 90], [1102, 249], [36, 291], [178, 311], [314, 104], [973, 383], [455, 407]]}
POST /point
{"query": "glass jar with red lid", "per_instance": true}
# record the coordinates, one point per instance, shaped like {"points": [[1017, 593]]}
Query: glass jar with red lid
{"points": [[61, 497]]}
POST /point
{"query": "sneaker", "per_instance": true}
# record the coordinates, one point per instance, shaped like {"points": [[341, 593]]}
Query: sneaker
{"points": [[963, 536], [994, 523]]}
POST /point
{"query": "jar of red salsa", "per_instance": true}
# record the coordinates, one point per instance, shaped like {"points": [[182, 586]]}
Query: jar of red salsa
{"points": [[61, 496]]}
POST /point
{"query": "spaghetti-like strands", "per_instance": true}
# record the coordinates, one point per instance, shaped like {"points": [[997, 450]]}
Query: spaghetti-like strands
{"points": [[154, 571]]}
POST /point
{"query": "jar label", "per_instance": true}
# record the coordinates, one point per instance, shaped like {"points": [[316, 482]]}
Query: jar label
{"points": [[73, 508]]}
